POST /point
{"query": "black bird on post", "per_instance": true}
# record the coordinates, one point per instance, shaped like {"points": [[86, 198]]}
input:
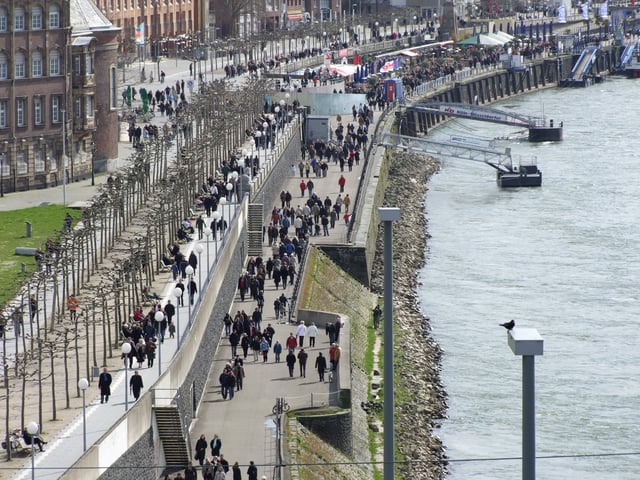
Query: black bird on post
{"points": [[509, 325]]}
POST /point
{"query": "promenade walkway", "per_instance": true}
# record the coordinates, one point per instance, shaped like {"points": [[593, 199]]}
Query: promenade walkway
{"points": [[245, 424]]}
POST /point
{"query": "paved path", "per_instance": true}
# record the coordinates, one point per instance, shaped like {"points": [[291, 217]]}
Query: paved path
{"points": [[245, 424]]}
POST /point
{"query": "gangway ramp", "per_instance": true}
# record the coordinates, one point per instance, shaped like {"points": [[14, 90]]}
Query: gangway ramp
{"points": [[582, 68], [627, 54], [476, 150]]}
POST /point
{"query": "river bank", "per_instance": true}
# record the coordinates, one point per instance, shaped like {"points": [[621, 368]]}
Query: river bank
{"points": [[420, 396]]}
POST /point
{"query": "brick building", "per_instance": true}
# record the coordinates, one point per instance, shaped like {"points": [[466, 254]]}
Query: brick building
{"points": [[165, 21], [48, 75]]}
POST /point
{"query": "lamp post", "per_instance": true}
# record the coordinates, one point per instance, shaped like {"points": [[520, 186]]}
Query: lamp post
{"points": [[258, 136], [159, 317], [32, 429], [198, 249], [83, 384], [207, 233], [189, 271], [376, 30], [126, 350], [177, 293], [229, 188], [223, 202], [265, 125], [527, 343], [387, 217]]}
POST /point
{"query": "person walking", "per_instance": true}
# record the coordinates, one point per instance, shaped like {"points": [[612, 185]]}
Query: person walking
{"points": [[237, 473], [193, 289], [264, 349], [301, 332], [216, 445], [341, 183], [291, 362], [201, 449], [302, 361], [104, 384], [277, 350], [252, 471], [321, 365], [377, 315], [136, 385], [72, 305], [291, 344], [312, 333]]}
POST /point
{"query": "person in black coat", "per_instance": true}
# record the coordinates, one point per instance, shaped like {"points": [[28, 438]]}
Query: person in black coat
{"points": [[201, 449], [104, 383], [135, 384], [321, 365], [291, 362], [216, 445]]}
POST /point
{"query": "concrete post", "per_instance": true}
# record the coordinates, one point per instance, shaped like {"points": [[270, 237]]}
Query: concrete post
{"points": [[387, 217]]}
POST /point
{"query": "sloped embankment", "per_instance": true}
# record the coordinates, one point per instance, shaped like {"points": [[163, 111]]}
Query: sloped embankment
{"points": [[420, 397], [330, 289]]}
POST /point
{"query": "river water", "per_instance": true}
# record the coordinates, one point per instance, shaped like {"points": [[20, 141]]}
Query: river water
{"points": [[563, 258]]}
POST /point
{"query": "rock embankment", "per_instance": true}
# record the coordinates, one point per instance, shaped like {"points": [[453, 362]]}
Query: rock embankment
{"points": [[420, 397]]}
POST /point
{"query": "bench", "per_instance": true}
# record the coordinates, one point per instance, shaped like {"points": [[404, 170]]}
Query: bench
{"points": [[18, 447], [26, 251]]}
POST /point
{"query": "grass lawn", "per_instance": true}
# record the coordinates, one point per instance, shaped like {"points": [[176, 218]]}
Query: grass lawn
{"points": [[46, 221]]}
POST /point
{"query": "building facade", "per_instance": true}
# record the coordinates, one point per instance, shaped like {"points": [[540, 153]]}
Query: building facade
{"points": [[166, 23], [48, 111]]}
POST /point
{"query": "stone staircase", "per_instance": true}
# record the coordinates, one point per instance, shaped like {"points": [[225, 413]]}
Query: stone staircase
{"points": [[170, 430], [254, 229]]}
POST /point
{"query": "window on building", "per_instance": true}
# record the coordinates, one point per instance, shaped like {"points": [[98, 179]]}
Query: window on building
{"points": [[56, 105], [89, 105], [21, 113], [38, 159], [77, 65], [19, 65], [36, 64], [88, 64], [18, 18], [21, 162], [53, 163], [3, 114], [36, 18], [4, 66], [113, 88], [4, 164], [54, 63], [77, 107], [118, 4], [54, 16], [38, 117], [4, 20]]}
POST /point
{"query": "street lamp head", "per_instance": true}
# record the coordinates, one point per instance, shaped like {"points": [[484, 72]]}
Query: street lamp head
{"points": [[126, 348], [199, 248], [277, 109], [258, 134], [216, 216], [177, 292], [33, 428], [207, 230], [229, 187], [189, 270], [83, 384], [223, 201], [287, 96], [159, 316]]}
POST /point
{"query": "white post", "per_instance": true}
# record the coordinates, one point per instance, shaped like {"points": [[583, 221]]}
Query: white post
{"points": [[64, 157], [83, 384]]}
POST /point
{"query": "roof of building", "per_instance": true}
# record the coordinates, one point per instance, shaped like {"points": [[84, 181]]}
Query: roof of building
{"points": [[86, 18]]}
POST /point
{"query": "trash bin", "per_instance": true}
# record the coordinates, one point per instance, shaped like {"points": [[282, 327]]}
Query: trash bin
{"points": [[95, 372]]}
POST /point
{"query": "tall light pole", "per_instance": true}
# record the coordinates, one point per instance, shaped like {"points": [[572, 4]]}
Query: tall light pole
{"points": [[32, 429], [207, 234], [177, 293], [527, 343], [126, 350], [83, 384], [198, 248], [216, 216], [159, 317], [388, 215]]}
